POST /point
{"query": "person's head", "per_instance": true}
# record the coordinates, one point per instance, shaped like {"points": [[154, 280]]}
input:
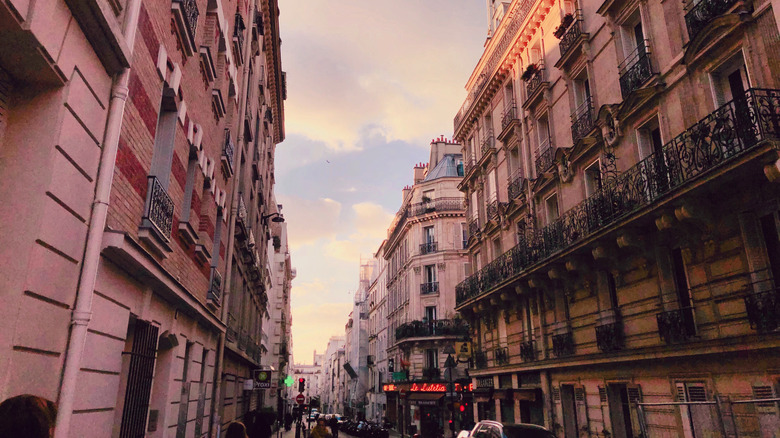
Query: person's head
{"points": [[321, 421], [236, 429], [28, 416]]}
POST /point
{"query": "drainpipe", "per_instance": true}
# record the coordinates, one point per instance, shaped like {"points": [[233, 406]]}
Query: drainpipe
{"points": [[221, 342], [82, 310]]}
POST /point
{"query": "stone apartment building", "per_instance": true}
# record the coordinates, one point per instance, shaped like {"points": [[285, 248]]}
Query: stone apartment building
{"points": [[377, 338], [425, 259], [331, 383], [152, 127], [356, 372], [621, 168]]}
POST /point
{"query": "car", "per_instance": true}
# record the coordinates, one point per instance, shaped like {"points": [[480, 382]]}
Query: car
{"points": [[490, 429]]}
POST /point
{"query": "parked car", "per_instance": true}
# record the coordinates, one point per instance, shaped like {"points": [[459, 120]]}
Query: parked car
{"points": [[490, 429]]}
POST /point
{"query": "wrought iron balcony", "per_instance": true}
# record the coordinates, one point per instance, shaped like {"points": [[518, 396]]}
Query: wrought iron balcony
{"points": [[763, 310], [528, 351], [431, 373], [238, 34], [469, 164], [480, 359], [439, 327], [474, 227], [563, 344], [158, 210], [544, 157], [215, 288], [191, 13], [492, 209], [582, 122], [610, 337], [572, 36], [430, 287], [534, 83], [725, 134], [228, 152], [703, 12], [501, 355], [510, 115], [438, 204], [675, 326], [516, 184], [488, 143], [635, 70], [232, 325], [428, 248]]}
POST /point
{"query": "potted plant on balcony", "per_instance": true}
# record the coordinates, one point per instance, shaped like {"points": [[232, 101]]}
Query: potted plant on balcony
{"points": [[561, 29], [530, 72]]}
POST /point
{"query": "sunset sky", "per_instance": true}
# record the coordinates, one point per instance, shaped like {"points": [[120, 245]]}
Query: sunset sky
{"points": [[370, 83]]}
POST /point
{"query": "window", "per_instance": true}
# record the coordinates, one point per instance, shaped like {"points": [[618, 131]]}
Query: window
{"points": [[432, 358], [428, 196], [428, 235], [543, 133], [464, 231], [730, 80], [430, 273], [551, 209], [683, 292], [162, 157], [772, 241], [430, 313], [649, 139], [633, 37], [497, 248], [491, 187], [697, 419], [621, 399], [593, 179], [528, 324], [612, 287], [474, 206]]}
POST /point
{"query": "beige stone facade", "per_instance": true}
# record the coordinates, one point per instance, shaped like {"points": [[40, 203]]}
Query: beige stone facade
{"points": [[621, 168]]}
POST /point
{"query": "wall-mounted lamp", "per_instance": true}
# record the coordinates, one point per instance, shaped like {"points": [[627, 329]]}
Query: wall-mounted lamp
{"points": [[277, 217]]}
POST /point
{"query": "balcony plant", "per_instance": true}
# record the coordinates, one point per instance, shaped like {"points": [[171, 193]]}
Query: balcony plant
{"points": [[530, 71], [565, 23]]}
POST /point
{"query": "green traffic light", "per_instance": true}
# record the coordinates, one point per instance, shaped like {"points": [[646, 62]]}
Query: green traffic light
{"points": [[288, 381]]}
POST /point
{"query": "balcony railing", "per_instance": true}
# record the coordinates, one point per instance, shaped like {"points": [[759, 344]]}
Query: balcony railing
{"points": [[474, 227], [488, 142], [428, 248], [215, 288], [228, 153], [516, 184], [158, 211], [563, 345], [545, 157], [238, 34], [439, 327], [677, 325], [534, 83], [635, 70], [469, 164], [501, 356], [763, 310], [431, 373], [582, 122], [232, 325], [480, 359], [726, 133], [528, 351], [703, 12], [610, 337], [438, 204], [492, 209], [572, 35], [510, 114], [431, 287], [191, 13]]}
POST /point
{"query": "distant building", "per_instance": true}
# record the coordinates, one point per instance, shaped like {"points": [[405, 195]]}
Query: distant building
{"points": [[331, 372], [377, 338]]}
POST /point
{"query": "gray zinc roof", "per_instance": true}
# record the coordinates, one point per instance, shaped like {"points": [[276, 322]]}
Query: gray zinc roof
{"points": [[447, 167]]}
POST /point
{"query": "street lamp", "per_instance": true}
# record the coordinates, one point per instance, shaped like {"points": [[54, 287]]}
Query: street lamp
{"points": [[277, 217]]}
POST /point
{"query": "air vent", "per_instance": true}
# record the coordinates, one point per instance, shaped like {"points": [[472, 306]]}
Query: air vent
{"points": [[763, 392], [696, 393], [634, 394]]}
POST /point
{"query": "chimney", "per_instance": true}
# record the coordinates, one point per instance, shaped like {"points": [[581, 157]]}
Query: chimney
{"points": [[405, 193], [419, 172]]}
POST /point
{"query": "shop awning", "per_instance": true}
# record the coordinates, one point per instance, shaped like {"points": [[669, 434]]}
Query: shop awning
{"points": [[425, 398]]}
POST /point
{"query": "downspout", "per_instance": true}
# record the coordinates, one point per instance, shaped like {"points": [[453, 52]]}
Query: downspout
{"points": [[221, 342], [82, 310]]}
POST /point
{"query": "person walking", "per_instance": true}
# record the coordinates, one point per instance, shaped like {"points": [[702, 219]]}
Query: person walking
{"points": [[236, 429], [334, 425], [27, 416], [320, 430]]}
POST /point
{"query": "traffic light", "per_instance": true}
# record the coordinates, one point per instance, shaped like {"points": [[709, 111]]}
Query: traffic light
{"points": [[452, 425], [301, 384], [462, 408]]}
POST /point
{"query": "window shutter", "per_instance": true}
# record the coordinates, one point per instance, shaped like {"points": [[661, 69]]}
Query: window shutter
{"points": [[556, 394], [696, 392], [603, 395], [634, 397], [581, 401], [764, 392]]}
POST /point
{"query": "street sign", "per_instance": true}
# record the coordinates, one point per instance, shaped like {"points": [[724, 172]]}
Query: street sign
{"points": [[463, 350], [262, 379], [300, 398]]}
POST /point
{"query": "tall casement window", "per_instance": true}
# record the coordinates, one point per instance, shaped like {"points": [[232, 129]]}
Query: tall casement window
{"points": [[592, 178], [138, 361], [474, 207], [649, 140], [430, 313], [551, 208], [184, 400], [432, 358], [464, 232], [621, 399], [769, 229], [730, 80], [697, 420], [429, 274], [684, 299]]}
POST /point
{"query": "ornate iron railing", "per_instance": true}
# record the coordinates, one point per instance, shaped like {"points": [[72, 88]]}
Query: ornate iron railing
{"points": [[763, 310], [582, 122], [501, 355], [431, 373], [215, 288], [430, 287], [474, 227], [635, 70], [191, 13], [563, 344], [610, 337], [703, 12], [231, 327], [492, 209], [572, 35], [158, 211], [528, 351], [724, 134], [533, 84], [516, 184], [545, 157], [429, 247], [238, 33], [439, 327], [676, 325], [480, 359], [469, 163], [488, 143], [438, 204], [510, 114], [229, 151]]}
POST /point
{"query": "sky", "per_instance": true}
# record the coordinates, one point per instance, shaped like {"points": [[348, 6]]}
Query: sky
{"points": [[370, 84]]}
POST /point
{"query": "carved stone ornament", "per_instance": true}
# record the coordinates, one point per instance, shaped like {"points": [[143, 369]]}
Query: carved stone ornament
{"points": [[417, 269], [442, 266], [565, 171], [610, 128]]}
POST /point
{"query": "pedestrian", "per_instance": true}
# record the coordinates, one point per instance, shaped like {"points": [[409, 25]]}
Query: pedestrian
{"points": [[236, 429], [27, 416], [252, 423], [320, 430], [334, 426], [266, 419], [288, 420]]}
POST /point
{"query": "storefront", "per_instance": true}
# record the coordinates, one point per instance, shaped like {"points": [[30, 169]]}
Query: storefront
{"points": [[424, 407]]}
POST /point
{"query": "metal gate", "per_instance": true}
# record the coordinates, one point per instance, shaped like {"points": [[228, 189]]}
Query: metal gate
{"points": [[721, 418], [139, 380]]}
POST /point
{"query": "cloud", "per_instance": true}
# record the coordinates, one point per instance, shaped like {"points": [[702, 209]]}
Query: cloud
{"points": [[309, 220], [328, 319]]}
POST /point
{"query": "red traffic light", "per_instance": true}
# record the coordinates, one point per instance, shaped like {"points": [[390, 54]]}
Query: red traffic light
{"points": [[462, 408], [301, 380]]}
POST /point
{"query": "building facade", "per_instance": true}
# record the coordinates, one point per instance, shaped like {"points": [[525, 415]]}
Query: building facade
{"points": [[425, 259], [330, 386], [621, 170], [355, 365], [154, 129], [377, 338]]}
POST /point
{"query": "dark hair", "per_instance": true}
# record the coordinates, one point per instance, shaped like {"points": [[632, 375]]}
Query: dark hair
{"points": [[236, 429], [27, 416]]}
